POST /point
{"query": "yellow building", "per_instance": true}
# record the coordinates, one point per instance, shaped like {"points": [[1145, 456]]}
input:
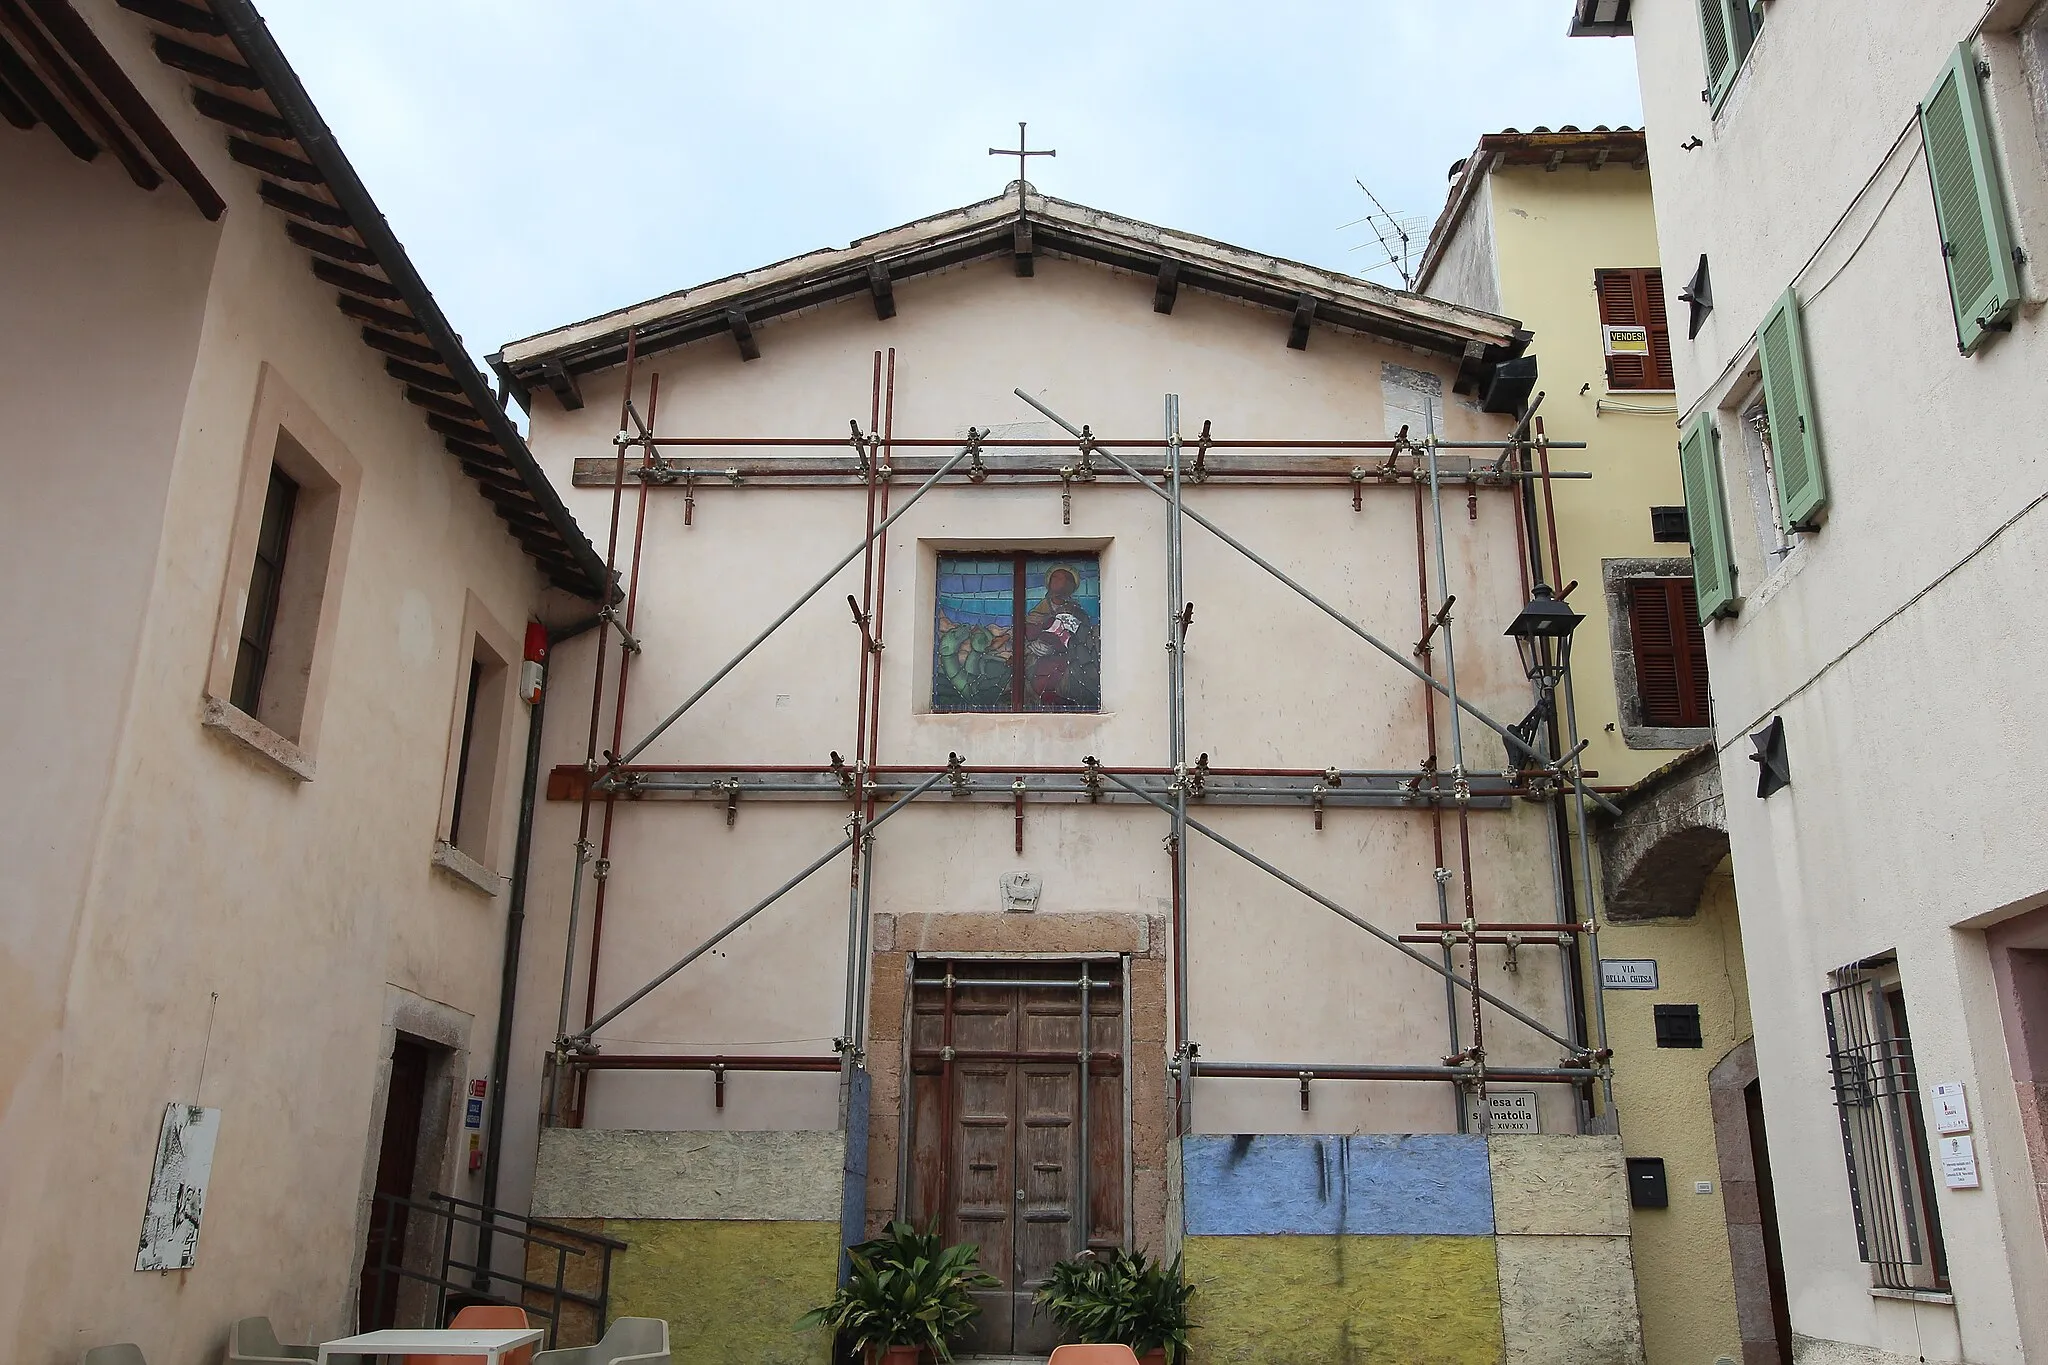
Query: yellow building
{"points": [[1558, 229]]}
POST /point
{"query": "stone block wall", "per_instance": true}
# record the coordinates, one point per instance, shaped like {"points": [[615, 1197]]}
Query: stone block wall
{"points": [[1410, 1248], [731, 1236]]}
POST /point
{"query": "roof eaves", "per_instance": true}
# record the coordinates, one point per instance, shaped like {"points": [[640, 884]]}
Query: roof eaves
{"points": [[534, 513], [985, 229]]}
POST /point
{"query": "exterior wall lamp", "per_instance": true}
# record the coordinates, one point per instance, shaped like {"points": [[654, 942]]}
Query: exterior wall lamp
{"points": [[1543, 632]]}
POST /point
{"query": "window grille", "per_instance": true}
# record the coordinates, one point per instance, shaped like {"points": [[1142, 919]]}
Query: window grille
{"points": [[1884, 1141]]}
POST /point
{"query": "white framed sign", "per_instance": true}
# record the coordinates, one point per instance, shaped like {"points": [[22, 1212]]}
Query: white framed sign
{"points": [[1625, 338], [1951, 1109], [1959, 1163], [177, 1188], [1514, 1111], [1628, 973]]}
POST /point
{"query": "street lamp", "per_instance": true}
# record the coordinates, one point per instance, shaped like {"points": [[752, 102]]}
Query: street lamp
{"points": [[1543, 632]]}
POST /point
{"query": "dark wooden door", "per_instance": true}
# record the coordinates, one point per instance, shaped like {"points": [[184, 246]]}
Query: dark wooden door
{"points": [[397, 1159], [997, 1132]]}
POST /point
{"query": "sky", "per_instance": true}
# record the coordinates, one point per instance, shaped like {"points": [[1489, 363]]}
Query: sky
{"points": [[546, 162]]}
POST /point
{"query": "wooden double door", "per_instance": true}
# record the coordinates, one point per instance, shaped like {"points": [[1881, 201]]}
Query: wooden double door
{"points": [[1017, 1144]]}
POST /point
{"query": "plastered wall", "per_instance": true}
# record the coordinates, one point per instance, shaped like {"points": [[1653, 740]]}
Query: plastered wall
{"points": [[1889, 642], [1270, 682], [181, 906]]}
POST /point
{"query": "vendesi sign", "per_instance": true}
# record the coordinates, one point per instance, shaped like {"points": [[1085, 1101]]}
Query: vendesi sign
{"points": [[1628, 973], [1626, 338]]}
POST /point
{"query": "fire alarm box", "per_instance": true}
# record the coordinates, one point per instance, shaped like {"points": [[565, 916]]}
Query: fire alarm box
{"points": [[533, 668]]}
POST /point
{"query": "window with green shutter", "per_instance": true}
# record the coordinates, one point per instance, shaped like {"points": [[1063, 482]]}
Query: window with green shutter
{"points": [[1795, 428], [1976, 241], [1713, 562], [1728, 30]]}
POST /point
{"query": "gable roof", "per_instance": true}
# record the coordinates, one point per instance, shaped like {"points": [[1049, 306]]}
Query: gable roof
{"points": [[1592, 149], [995, 228], [240, 79]]}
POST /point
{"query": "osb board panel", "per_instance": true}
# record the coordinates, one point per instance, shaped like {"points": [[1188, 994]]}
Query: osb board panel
{"points": [[1557, 1185], [583, 1274], [1569, 1301], [1348, 1300], [1425, 1184], [626, 1173], [728, 1291]]}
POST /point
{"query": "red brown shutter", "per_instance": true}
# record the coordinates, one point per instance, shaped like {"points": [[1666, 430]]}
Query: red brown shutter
{"points": [[1670, 652], [1636, 297], [1659, 375]]}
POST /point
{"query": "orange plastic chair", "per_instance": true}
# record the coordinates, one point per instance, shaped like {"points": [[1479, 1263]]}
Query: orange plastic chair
{"points": [[484, 1317], [1093, 1355]]}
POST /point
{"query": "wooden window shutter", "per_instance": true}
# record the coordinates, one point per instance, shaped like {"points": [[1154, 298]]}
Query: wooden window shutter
{"points": [[1713, 562], [1719, 44], [1795, 428], [1976, 241], [1670, 652], [1636, 297]]}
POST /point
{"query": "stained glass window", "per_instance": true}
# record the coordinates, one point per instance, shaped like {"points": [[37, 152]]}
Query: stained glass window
{"points": [[1017, 632]]}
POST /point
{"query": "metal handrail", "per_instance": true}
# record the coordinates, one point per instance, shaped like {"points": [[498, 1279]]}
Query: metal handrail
{"points": [[481, 1276]]}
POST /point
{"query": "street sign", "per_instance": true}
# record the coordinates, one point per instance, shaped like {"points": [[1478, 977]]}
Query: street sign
{"points": [[1628, 973]]}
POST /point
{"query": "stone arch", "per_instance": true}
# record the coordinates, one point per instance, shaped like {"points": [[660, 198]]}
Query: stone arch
{"points": [[1673, 832]]}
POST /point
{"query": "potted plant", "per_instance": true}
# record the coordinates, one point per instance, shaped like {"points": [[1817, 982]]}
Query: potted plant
{"points": [[1122, 1298], [905, 1294]]}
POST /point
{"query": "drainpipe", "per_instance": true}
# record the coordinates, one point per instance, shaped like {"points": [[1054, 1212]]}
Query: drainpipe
{"points": [[515, 924]]}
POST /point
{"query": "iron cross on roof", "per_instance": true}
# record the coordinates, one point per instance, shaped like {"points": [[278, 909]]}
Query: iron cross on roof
{"points": [[1020, 154]]}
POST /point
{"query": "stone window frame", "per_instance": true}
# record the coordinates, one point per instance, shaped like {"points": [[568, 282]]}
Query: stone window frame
{"points": [[284, 432], [476, 859], [1615, 575]]}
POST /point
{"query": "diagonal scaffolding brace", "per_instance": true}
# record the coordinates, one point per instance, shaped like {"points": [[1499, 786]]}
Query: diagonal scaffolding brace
{"points": [[672, 717], [857, 830], [1319, 898], [1513, 741]]}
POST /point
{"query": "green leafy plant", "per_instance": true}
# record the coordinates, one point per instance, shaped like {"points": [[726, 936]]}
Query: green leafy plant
{"points": [[905, 1289], [1121, 1298]]}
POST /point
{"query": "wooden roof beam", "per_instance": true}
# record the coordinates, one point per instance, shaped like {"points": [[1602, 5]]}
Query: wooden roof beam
{"points": [[1304, 314], [743, 334], [327, 244], [562, 385], [426, 379], [1020, 248], [272, 162], [1167, 289], [883, 290], [19, 76], [173, 14], [236, 114], [83, 99], [387, 318], [355, 281], [301, 205], [194, 62]]}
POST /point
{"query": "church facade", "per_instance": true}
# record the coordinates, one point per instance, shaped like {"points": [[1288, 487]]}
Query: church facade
{"points": [[1132, 886]]}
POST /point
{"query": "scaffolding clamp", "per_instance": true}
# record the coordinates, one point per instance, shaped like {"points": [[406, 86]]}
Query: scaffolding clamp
{"points": [[862, 447], [1389, 470], [658, 470], [1200, 473], [1440, 621], [977, 472], [1067, 473], [1306, 1077], [956, 773], [731, 788], [843, 773], [1091, 777], [860, 618], [1087, 446], [1187, 621], [1358, 477], [601, 870], [609, 614], [1511, 963], [1316, 800]]}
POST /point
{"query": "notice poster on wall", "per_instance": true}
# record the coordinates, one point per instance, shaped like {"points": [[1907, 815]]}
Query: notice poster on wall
{"points": [[1628, 338], [177, 1188]]}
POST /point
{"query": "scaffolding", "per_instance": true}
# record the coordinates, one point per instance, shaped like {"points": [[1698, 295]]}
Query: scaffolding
{"points": [[1544, 749]]}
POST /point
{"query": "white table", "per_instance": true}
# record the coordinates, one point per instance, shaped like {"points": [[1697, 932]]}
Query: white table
{"points": [[401, 1342]]}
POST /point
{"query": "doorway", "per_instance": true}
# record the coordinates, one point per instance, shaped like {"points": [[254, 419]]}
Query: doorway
{"points": [[1017, 1143], [397, 1160]]}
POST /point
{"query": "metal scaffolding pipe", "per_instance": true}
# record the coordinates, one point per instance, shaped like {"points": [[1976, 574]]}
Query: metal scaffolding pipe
{"points": [[664, 1061], [1513, 741], [1034, 443], [672, 717], [1319, 1071], [1177, 749], [707, 945], [1319, 898]]}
